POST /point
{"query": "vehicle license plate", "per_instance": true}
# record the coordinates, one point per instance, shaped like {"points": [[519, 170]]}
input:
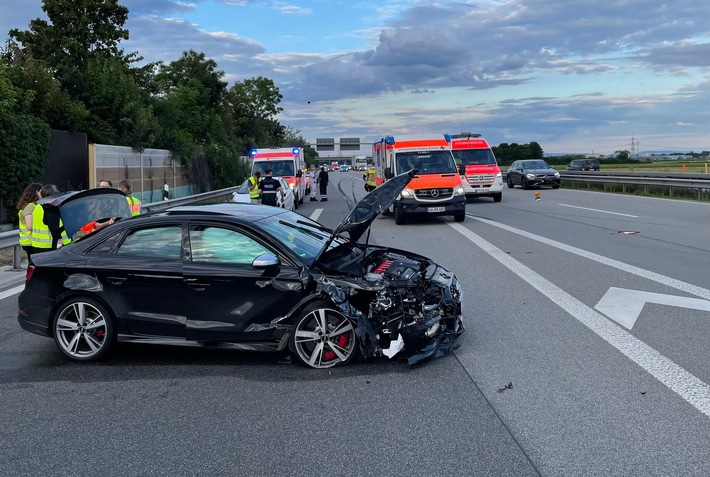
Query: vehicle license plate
{"points": [[479, 191], [435, 209]]}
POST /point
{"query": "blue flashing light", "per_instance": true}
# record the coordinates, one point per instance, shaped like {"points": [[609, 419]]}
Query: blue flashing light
{"points": [[296, 150], [389, 140], [447, 137], [252, 152]]}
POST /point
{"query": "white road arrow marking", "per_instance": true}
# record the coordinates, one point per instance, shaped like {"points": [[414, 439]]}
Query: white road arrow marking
{"points": [[624, 306]]}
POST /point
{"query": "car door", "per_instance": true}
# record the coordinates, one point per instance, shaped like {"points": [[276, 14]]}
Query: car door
{"points": [[514, 173], [143, 280], [228, 298]]}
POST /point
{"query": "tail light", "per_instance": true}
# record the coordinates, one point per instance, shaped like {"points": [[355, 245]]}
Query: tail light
{"points": [[30, 272]]}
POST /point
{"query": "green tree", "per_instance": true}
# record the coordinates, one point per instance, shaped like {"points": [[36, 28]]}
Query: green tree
{"points": [[536, 151], [622, 155], [251, 107], [23, 148], [77, 31], [189, 106]]}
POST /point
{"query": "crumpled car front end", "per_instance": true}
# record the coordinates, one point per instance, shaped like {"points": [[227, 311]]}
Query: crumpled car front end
{"points": [[404, 305]]}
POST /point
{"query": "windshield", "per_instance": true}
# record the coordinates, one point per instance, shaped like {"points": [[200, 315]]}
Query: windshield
{"points": [[304, 237], [536, 165], [474, 156], [278, 168], [427, 162]]}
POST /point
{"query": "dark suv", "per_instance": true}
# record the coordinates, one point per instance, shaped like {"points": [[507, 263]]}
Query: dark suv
{"points": [[583, 165]]}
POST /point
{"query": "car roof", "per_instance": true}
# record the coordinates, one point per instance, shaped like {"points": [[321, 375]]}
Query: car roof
{"points": [[242, 212]]}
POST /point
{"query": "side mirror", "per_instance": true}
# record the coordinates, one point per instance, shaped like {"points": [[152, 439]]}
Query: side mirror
{"points": [[299, 173], [462, 169], [265, 260], [388, 173]]}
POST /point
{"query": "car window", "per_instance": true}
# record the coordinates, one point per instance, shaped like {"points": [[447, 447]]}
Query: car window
{"points": [[156, 242], [244, 188], [105, 247], [219, 245]]}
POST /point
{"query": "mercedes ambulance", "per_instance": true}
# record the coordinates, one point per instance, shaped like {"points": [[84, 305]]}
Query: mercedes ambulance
{"points": [[286, 162], [482, 176], [436, 188]]}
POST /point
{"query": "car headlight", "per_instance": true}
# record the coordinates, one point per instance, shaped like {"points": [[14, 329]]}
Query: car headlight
{"points": [[460, 191], [557, 174], [530, 176], [407, 193], [292, 186], [499, 175]]}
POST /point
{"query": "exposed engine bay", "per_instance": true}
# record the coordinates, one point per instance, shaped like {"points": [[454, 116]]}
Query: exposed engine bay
{"points": [[403, 304]]}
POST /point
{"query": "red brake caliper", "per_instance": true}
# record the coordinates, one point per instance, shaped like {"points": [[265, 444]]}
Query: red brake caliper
{"points": [[342, 342]]}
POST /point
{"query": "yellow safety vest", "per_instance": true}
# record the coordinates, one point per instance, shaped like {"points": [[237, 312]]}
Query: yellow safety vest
{"points": [[41, 235], [254, 194], [134, 204], [371, 177], [25, 233]]}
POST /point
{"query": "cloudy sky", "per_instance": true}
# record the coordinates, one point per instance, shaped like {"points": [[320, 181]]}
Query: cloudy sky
{"points": [[574, 75]]}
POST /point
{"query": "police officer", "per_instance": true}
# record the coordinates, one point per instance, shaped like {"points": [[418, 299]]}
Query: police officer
{"points": [[254, 187], [268, 188]]}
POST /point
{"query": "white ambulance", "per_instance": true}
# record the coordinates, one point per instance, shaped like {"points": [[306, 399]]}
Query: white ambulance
{"points": [[286, 162]]}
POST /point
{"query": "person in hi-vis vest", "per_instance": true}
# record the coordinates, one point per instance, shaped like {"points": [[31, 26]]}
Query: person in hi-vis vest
{"points": [[25, 207], [44, 236], [254, 184], [126, 187]]}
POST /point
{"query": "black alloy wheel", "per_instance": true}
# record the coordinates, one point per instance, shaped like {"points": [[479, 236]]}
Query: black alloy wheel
{"points": [[83, 329], [323, 337]]}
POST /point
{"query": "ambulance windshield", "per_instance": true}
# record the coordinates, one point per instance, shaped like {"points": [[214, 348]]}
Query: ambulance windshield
{"points": [[428, 162], [279, 168], [474, 156]]}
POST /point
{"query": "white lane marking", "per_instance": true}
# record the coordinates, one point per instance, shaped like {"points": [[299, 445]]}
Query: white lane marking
{"points": [[598, 210], [316, 213], [656, 277], [11, 291], [624, 306], [677, 379]]}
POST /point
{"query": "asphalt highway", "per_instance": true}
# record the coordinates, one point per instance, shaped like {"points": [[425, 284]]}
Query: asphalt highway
{"points": [[586, 354]]}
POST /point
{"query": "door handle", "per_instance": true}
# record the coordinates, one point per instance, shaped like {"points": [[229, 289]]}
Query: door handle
{"points": [[116, 280], [195, 285]]}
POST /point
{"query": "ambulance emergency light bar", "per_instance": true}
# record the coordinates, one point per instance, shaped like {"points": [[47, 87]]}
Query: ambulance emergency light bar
{"points": [[295, 151], [390, 139]]}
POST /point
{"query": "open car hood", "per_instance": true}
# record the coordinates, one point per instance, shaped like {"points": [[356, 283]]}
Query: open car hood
{"points": [[78, 208], [364, 213]]}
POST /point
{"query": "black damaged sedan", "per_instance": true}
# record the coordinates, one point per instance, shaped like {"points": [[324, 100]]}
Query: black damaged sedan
{"points": [[246, 277]]}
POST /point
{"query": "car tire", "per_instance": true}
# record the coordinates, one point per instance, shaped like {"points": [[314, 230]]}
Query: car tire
{"points": [[319, 349], [555, 187], [498, 197], [459, 217], [399, 216], [524, 183], [510, 182], [83, 329]]}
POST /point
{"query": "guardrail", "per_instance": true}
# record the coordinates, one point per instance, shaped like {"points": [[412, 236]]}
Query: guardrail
{"points": [[698, 181], [11, 239]]}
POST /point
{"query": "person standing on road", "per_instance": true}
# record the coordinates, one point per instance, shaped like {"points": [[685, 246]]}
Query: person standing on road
{"points": [[323, 184], [126, 187], [47, 232], [268, 188], [313, 175], [254, 187], [25, 207]]}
